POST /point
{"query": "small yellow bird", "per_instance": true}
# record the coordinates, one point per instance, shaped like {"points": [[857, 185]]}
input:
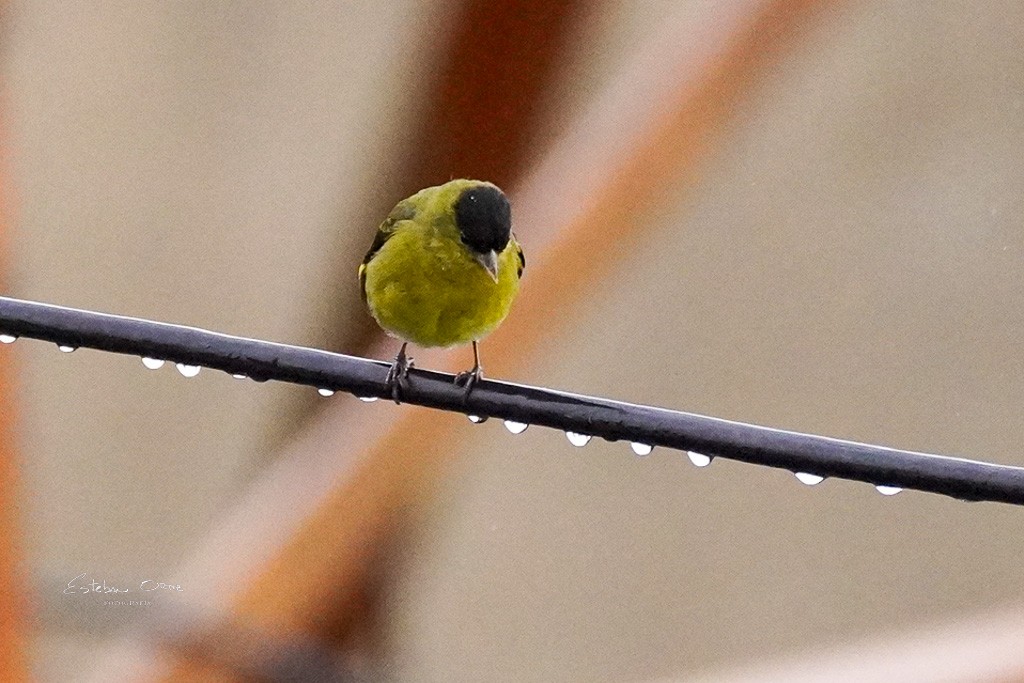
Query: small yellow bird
{"points": [[443, 270]]}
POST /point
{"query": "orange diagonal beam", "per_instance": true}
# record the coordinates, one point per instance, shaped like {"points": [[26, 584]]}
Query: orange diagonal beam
{"points": [[311, 581]]}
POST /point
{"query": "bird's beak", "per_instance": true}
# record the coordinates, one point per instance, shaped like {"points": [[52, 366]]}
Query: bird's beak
{"points": [[490, 263]]}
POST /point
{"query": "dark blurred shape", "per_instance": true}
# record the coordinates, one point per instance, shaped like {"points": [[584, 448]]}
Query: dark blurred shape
{"points": [[234, 652], [502, 58]]}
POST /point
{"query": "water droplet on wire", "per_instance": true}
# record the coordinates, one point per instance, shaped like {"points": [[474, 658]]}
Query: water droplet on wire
{"points": [[515, 427], [367, 399], [66, 349], [809, 479], [698, 459], [187, 370], [7, 339], [641, 448], [152, 363], [578, 440], [325, 392], [476, 419], [888, 490]]}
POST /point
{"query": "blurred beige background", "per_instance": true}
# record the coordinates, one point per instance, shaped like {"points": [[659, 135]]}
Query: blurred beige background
{"points": [[848, 263]]}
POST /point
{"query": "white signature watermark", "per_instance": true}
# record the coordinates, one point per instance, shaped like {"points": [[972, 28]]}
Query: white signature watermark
{"points": [[82, 584], [127, 603]]}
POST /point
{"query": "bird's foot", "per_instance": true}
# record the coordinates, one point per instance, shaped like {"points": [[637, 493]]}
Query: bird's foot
{"points": [[469, 378], [398, 375]]}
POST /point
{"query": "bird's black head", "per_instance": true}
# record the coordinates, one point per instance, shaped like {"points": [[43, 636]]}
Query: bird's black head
{"points": [[484, 218]]}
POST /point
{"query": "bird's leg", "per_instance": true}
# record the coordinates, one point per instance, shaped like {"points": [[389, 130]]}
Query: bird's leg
{"points": [[398, 376], [469, 378]]}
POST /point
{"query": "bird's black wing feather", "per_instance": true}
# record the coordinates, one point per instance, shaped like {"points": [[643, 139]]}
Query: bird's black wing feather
{"points": [[403, 211], [522, 258]]}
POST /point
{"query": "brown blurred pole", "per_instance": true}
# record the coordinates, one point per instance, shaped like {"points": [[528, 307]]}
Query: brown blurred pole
{"points": [[502, 59], [13, 636], [485, 104]]}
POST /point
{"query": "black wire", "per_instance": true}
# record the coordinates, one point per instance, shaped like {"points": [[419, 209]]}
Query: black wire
{"points": [[612, 420]]}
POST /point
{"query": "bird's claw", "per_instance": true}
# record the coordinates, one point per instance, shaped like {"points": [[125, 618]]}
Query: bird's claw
{"points": [[398, 376], [469, 378]]}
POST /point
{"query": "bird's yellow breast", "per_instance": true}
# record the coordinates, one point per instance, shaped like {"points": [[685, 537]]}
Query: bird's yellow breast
{"points": [[424, 287]]}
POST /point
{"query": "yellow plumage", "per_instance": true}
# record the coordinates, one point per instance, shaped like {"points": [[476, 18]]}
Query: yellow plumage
{"points": [[430, 276]]}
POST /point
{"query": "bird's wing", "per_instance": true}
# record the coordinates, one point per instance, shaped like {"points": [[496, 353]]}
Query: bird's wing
{"points": [[403, 211], [522, 257]]}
